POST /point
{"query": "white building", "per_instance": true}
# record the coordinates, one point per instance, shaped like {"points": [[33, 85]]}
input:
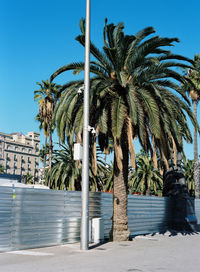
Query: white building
{"points": [[19, 154]]}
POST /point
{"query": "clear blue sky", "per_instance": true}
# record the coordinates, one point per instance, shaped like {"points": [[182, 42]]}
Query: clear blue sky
{"points": [[37, 37]]}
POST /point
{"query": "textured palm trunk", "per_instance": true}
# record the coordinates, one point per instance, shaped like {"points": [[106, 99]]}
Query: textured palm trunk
{"points": [[120, 218], [45, 152], [50, 146], [164, 160], [147, 192], [174, 150], [50, 152], [196, 161], [155, 159]]}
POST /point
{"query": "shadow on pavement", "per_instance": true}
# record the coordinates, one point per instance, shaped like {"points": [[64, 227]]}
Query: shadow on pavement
{"points": [[98, 245], [172, 232]]}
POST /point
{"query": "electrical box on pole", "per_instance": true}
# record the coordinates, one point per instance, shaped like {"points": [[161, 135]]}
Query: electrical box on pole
{"points": [[78, 152]]}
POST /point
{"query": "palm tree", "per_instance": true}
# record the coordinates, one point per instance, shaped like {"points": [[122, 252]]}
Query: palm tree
{"points": [[44, 151], [130, 95], [145, 179], [108, 178], [2, 169], [66, 172], [47, 96], [29, 179], [193, 88], [189, 176]]}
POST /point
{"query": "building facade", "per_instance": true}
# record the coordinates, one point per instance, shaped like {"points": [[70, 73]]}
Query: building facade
{"points": [[19, 154]]}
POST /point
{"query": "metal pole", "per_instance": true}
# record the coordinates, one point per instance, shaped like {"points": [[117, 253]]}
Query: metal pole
{"points": [[85, 161]]}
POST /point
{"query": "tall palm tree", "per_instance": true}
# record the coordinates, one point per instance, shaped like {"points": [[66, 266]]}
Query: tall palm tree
{"points": [[145, 179], [47, 96], [193, 88], [130, 95], [43, 126]]}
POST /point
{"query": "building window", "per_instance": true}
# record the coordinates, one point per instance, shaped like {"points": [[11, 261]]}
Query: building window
{"points": [[15, 157], [16, 148], [29, 151], [8, 146], [36, 148], [22, 159], [7, 158]]}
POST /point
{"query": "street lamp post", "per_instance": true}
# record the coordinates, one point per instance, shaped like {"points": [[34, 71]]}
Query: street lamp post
{"points": [[85, 160]]}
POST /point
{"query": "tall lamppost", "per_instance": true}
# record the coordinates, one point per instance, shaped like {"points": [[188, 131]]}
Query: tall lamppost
{"points": [[85, 159]]}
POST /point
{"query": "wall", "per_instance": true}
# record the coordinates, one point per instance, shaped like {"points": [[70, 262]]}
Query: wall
{"points": [[31, 218]]}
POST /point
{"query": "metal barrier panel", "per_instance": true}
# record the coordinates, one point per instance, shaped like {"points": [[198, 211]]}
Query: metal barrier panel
{"points": [[72, 217], [197, 209], [37, 218], [148, 214], [72, 214], [145, 214], [6, 218], [107, 212]]}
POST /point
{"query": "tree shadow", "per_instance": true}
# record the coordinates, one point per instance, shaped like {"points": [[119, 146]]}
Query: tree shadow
{"points": [[172, 232]]}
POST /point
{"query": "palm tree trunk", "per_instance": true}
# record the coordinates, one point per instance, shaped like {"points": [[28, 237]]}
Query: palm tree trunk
{"points": [[196, 161], [50, 146], [45, 152], [120, 218], [174, 150], [155, 159], [147, 193]]}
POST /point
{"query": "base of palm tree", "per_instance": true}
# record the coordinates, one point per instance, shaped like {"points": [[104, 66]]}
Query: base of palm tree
{"points": [[121, 231]]}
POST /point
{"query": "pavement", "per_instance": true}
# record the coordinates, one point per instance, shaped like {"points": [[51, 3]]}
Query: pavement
{"points": [[173, 252]]}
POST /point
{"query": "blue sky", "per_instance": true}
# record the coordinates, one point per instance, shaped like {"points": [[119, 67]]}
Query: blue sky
{"points": [[37, 37]]}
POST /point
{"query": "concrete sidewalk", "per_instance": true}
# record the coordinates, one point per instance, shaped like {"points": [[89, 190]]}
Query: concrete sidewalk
{"points": [[178, 253]]}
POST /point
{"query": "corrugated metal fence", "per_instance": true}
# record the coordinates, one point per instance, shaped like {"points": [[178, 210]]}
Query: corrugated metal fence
{"points": [[31, 218], [197, 209], [148, 214]]}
